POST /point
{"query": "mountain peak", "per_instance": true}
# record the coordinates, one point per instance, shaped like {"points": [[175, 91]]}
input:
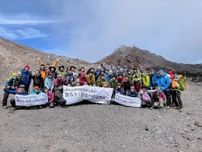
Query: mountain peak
{"points": [[134, 57]]}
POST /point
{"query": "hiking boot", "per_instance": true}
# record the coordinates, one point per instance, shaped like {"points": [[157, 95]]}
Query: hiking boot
{"points": [[180, 110], [12, 102], [5, 98], [156, 105], [6, 107], [161, 105], [4, 103], [51, 105]]}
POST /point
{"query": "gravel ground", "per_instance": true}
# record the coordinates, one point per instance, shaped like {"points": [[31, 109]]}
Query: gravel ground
{"points": [[104, 128]]}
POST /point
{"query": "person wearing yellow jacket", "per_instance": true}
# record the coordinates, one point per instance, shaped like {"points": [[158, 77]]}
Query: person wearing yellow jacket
{"points": [[145, 80], [90, 78], [182, 82], [136, 76]]}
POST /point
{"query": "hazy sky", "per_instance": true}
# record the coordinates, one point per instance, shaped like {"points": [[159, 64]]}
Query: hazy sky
{"points": [[92, 29]]}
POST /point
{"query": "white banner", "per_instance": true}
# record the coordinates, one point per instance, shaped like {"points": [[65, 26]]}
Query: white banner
{"points": [[31, 100], [93, 94], [127, 101]]}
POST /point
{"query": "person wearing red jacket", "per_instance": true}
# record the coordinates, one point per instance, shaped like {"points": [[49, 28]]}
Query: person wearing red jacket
{"points": [[171, 73], [82, 76], [120, 78], [58, 90]]}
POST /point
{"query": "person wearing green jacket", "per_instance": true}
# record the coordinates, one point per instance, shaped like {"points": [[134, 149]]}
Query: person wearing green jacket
{"points": [[113, 83], [101, 81]]}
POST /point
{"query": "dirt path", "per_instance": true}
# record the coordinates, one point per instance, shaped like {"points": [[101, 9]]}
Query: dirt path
{"points": [[108, 128]]}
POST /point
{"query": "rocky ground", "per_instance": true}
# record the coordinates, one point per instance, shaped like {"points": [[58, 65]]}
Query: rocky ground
{"points": [[104, 128]]}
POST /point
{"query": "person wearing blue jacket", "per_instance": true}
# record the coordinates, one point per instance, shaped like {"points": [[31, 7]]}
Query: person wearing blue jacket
{"points": [[109, 75], [49, 82], [49, 86], [153, 79], [26, 77], [164, 83]]}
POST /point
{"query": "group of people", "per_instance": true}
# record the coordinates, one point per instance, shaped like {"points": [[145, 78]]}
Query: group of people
{"points": [[157, 88]]}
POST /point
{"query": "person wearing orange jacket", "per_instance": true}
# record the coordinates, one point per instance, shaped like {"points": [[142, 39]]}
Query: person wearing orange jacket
{"points": [[43, 72]]}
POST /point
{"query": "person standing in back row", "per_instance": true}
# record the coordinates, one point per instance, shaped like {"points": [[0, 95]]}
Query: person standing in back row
{"points": [[49, 86], [26, 77], [164, 83]]}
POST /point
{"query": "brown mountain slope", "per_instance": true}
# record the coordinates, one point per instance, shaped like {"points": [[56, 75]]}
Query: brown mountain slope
{"points": [[135, 57], [14, 56]]}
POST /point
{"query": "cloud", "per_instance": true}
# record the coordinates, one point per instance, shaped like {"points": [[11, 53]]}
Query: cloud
{"points": [[26, 19], [168, 28], [21, 33], [30, 33], [6, 33], [23, 26]]}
